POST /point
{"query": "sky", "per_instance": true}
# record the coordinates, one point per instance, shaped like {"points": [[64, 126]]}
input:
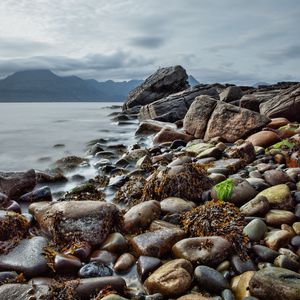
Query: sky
{"points": [[234, 41]]}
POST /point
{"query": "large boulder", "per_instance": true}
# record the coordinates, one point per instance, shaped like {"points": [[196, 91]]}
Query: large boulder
{"points": [[89, 221], [175, 106], [197, 117], [231, 93], [233, 123], [163, 82], [286, 104]]}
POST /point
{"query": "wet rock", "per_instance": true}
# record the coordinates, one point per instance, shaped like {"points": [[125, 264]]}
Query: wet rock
{"points": [[156, 243], [27, 257], [296, 227], [82, 250], [173, 205], [228, 295], [89, 221], [265, 253], [208, 251], [256, 207], [163, 82], [231, 93], [141, 215], [258, 184], [41, 194], [274, 177], [17, 291], [69, 162], [197, 116], [244, 151], [210, 280], [226, 166], [14, 184], [124, 262], [95, 269], [50, 176], [264, 138], [115, 243], [233, 123], [275, 283], [197, 296], [146, 265], [134, 155], [279, 196], [175, 107], [286, 104], [196, 147], [103, 256], [241, 266], [171, 279], [144, 163], [65, 263], [255, 230], [187, 182], [285, 262], [276, 217], [151, 126], [240, 285], [88, 286], [162, 224], [278, 122], [276, 239]]}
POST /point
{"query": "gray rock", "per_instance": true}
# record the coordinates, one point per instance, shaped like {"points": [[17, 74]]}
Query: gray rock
{"points": [[275, 283], [255, 230], [210, 280], [163, 82], [256, 207], [27, 257], [231, 93]]}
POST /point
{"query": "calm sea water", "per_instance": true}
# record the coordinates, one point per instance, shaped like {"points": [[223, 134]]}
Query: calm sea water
{"points": [[34, 135]]}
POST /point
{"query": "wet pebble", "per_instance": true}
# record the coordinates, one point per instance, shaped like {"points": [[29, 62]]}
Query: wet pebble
{"points": [[95, 269]]}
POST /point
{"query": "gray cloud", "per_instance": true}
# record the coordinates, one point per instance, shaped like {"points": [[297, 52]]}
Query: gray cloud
{"points": [[147, 42], [288, 53]]}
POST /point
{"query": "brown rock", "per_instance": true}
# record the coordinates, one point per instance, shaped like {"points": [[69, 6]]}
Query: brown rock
{"points": [[151, 126], [173, 205], [276, 239], [278, 122], [240, 285], [170, 135], [264, 138], [124, 262], [276, 217]]}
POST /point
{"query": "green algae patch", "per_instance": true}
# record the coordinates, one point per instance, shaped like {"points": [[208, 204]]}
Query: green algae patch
{"points": [[224, 189], [283, 144]]}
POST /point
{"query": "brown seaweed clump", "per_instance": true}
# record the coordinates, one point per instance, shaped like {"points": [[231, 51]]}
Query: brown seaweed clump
{"points": [[217, 218], [131, 192], [186, 181], [13, 227]]}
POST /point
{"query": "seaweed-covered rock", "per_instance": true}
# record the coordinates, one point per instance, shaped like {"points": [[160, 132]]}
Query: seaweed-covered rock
{"points": [[89, 221], [217, 218], [186, 181]]}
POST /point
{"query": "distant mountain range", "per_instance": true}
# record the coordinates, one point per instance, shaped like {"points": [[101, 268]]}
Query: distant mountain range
{"points": [[45, 86]]}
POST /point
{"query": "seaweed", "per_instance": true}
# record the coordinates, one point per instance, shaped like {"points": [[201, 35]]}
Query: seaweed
{"points": [[224, 189]]}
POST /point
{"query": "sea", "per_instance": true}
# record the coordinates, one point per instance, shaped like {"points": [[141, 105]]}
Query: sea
{"points": [[35, 135]]}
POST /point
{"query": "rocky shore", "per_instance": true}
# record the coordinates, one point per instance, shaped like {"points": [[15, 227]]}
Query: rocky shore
{"points": [[210, 209]]}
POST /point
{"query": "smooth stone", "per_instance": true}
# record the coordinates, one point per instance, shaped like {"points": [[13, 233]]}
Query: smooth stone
{"points": [[210, 280], [264, 138], [7, 276], [95, 269], [285, 262], [211, 152], [171, 279], [41, 194], [228, 295], [276, 217], [196, 250], [141, 215], [278, 122], [295, 241], [255, 230], [276, 239], [275, 283], [217, 178], [161, 224], [27, 257], [124, 262], [103, 256], [241, 266], [240, 285], [275, 177], [156, 243], [146, 265], [258, 184], [173, 205], [256, 207], [88, 286], [289, 253], [265, 253], [115, 243], [223, 266], [279, 196], [64, 263], [86, 220], [82, 251], [296, 227]]}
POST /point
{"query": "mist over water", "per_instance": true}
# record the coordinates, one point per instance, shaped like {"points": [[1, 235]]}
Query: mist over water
{"points": [[34, 135]]}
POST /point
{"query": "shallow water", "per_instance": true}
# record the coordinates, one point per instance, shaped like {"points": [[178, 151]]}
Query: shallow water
{"points": [[34, 135]]}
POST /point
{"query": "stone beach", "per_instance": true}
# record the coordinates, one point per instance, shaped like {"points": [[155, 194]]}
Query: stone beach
{"points": [[206, 205]]}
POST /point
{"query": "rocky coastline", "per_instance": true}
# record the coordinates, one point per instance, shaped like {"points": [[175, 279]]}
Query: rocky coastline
{"points": [[206, 205]]}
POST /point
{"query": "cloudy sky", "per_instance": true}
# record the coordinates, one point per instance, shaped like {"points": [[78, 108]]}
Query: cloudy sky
{"points": [[237, 41]]}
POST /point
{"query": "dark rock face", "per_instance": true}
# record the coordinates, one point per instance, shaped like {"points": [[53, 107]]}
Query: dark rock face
{"points": [[89, 221], [174, 107], [27, 257], [14, 184], [163, 82], [275, 283], [286, 104]]}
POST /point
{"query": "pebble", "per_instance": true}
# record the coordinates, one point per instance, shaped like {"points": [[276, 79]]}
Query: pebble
{"points": [[124, 262], [146, 265], [255, 230], [103, 256], [115, 243], [64, 263], [241, 266], [276, 239], [95, 269], [276, 217], [256, 207]]}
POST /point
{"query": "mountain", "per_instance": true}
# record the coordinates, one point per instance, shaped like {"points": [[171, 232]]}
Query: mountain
{"points": [[256, 85], [45, 86]]}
